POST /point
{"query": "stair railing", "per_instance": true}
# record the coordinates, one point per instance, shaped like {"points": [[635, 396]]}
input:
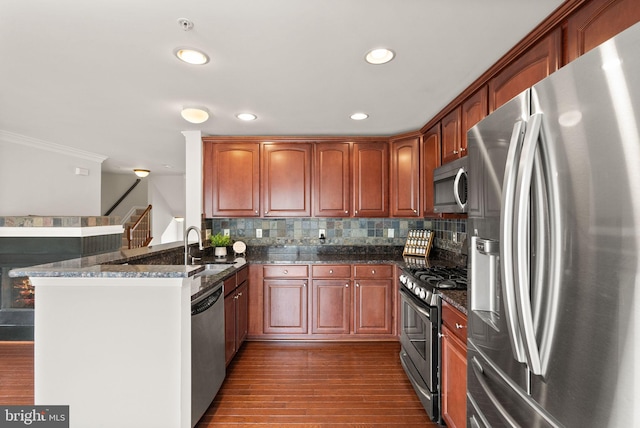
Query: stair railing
{"points": [[139, 235], [110, 210]]}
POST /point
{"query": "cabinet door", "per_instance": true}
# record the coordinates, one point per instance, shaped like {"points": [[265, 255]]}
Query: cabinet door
{"points": [[231, 179], [330, 306], [535, 64], [454, 379], [229, 327], [242, 314], [430, 161], [596, 22], [451, 136], [372, 306], [405, 178], [286, 179], [331, 186], [285, 306], [371, 179], [474, 109]]}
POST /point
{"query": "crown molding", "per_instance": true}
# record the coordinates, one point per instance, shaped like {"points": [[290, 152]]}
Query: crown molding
{"points": [[23, 140]]}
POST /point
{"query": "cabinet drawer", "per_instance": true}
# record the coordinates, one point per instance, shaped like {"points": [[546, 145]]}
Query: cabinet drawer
{"points": [[372, 271], [229, 284], [285, 271], [242, 275], [331, 271], [455, 321]]}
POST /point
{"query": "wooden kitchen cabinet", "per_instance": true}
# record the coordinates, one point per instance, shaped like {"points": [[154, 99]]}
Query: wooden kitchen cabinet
{"points": [[452, 137], [539, 61], [331, 299], [231, 179], [370, 179], [454, 366], [236, 289], [332, 180], [373, 303], [286, 179], [405, 177], [285, 299], [430, 161], [596, 22], [474, 109]]}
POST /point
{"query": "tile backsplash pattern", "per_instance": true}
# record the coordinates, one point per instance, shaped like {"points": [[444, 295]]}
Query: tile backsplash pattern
{"points": [[450, 234]]}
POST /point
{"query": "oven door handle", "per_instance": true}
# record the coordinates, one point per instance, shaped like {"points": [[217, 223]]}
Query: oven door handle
{"points": [[413, 305]]}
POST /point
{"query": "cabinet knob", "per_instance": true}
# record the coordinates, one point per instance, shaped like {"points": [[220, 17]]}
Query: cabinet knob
{"points": [[331, 271], [462, 150], [346, 212], [455, 152], [415, 211], [357, 284], [459, 326], [346, 285], [266, 212], [285, 271], [373, 271], [304, 284], [356, 212], [256, 211]]}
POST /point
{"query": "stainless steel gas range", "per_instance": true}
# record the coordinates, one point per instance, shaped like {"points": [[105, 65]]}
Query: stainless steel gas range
{"points": [[420, 325]]}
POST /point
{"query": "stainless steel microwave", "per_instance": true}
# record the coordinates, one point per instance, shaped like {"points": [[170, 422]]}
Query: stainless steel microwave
{"points": [[450, 187]]}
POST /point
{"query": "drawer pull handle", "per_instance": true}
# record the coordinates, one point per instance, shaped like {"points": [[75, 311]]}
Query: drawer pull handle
{"points": [[459, 326]]}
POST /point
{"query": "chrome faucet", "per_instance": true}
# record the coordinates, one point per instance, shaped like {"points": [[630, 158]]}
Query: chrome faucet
{"points": [[186, 242]]}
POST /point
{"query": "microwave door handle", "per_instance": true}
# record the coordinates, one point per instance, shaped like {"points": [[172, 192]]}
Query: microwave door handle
{"points": [[506, 240], [456, 185], [523, 288]]}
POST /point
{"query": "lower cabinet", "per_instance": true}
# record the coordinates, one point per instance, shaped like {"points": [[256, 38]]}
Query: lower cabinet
{"points": [[323, 302], [454, 366], [236, 300]]}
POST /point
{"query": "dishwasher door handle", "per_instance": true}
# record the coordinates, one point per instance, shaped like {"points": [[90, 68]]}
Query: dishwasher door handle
{"points": [[208, 301]]}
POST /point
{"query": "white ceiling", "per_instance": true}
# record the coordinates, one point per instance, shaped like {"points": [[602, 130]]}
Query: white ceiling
{"points": [[100, 75]]}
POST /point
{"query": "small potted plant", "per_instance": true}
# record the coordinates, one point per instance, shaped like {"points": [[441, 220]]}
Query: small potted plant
{"points": [[220, 242]]}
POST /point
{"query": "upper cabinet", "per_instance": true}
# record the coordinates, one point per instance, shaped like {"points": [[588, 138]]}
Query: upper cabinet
{"points": [[474, 109], [596, 22], [405, 177], [231, 179], [452, 137], [286, 179], [430, 161], [542, 59], [331, 180], [370, 179]]}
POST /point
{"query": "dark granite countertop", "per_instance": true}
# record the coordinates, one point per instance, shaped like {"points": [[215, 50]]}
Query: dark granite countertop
{"points": [[456, 298]]}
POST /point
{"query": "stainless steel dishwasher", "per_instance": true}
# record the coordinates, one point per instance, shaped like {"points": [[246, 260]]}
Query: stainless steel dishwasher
{"points": [[207, 350]]}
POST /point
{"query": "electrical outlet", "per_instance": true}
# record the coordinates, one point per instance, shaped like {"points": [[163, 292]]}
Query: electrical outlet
{"points": [[391, 233], [322, 233], [225, 232], [258, 233]]}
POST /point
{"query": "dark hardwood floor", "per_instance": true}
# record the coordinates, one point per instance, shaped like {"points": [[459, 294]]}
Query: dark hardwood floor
{"points": [[281, 384], [315, 385]]}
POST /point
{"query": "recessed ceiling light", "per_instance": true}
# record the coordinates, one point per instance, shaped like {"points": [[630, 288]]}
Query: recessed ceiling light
{"points": [[195, 114], [359, 116], [379, 56], [192, 56], [246, 116]]}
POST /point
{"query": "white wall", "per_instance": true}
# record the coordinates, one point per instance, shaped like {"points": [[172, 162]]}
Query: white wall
{"points": [[167, 195], [37, 181], [114, 186]]}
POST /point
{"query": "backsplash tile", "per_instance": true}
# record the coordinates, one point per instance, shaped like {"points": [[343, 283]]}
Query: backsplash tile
{"points": [[340, 231]]}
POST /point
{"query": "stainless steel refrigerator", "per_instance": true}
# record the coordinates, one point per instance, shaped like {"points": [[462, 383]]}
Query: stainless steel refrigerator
{"points": [[554, 221]]}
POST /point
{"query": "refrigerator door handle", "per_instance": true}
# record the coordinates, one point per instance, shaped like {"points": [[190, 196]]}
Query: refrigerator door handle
{"points": [[523, 289], [506, 240]]}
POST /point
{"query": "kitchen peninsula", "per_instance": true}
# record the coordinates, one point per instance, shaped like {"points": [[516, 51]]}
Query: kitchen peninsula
{"points": [[113, 340]]}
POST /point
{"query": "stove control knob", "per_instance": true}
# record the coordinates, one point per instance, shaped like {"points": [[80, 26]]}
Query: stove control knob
{"points": [[410, 285], [417, 290], [423, 294], [403, 279]]}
